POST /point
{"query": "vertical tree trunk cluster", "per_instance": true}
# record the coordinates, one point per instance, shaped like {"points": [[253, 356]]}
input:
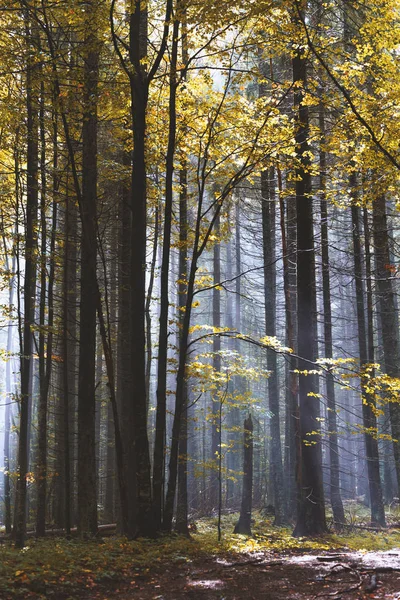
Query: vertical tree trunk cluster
{"points": [[166, 240]]}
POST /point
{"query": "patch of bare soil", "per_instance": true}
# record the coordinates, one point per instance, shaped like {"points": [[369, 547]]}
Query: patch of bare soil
{"points": [[342, 576]]}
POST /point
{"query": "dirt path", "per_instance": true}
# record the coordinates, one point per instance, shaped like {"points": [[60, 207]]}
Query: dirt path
{"points": [[345, 577]]}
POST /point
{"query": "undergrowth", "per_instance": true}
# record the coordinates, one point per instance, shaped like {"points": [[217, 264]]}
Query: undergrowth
{"points": [[60, 568]]}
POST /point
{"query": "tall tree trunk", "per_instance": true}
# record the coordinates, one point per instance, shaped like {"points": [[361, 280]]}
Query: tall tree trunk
{"points": [[41, 470], [29, 287], [159, 445], [182, 496], [369, 416], [67, 446], [110, 452], [98, 416], [387, 313], [9, 401], [149, 349], [268, 230], [239, 381], [311, 506], [216, 363], [87, 502], [334, 483], [142, 521], [46, 342], [243, 526], [124, 341], [289, 237], [232, 417]]}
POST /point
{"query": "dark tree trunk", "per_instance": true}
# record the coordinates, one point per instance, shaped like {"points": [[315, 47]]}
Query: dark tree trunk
{"points": [[182, 496], [232, 417], [216, 363], [289, 236], [387, 313], [238, 381], [29, 289], [87, 502], [109, 502], [124, 341], [369, 416], [141, 521], [41, 467], [98, 416], [44, 389], [334, 483], [243, 526], [69, 294], [311, 506], [159, 445], [45, 345], [268, 227]]}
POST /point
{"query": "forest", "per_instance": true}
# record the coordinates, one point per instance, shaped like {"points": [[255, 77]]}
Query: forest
{"points": [[199, 311]]}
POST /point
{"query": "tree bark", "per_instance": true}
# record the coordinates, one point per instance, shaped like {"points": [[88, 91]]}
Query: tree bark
{"points": [[268, 229], [182, 495], [243, 525], [87, 502], [289, 238], [216, 363], [159, 445], [334, 461], [29, 287], [124, 342], [142, 518], [387, 313], [311, 506], [369, 417]]}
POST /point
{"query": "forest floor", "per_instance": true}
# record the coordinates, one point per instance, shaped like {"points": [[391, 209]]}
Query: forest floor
{"points": [[271, 565]]}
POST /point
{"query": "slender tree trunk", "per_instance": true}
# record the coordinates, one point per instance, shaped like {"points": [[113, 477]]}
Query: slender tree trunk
{"points": [[149, 350], [87, 502], [110, 452], [182, 496], [334, 484], [98, 415], [42, 408], [180, 397], [124, 341], [159, 445], [29, 289], [142, 521], [216, 363], [268, 227], [369, 416], [243, 526], [68, 376], [387, 313], [45, 387], [289, 236], [9, 401], [45, 342], [311, 506], [232, 410], [239, 382]]}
